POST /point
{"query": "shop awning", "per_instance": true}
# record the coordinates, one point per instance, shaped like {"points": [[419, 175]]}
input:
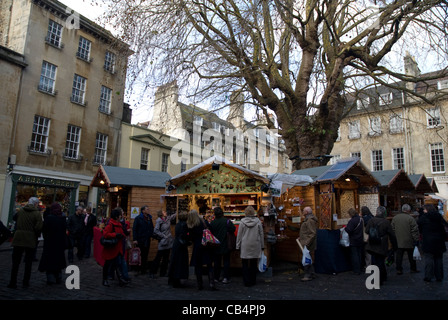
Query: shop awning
{"points": [[208, 165], [108, 176]]}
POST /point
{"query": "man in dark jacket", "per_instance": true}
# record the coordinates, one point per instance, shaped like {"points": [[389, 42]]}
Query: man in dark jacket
{"points": [[28, 228], [142, 231], [380, 250], [355, 231], [75, 228], [433, 242]]}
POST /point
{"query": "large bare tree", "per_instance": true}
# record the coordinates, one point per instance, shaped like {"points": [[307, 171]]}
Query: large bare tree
{"points": [[296, 59]]}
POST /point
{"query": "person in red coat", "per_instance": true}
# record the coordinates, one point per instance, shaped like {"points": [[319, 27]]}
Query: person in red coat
{"points": [[110, 254]]}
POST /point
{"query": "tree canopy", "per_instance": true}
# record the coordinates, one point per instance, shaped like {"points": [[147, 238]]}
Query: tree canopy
{"points": [[295, 59]]}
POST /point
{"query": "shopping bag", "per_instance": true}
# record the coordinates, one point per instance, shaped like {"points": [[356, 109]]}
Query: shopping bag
{"points": [[306, 258], [208, 239], [416, 254], [134, 257], [344, 239], [262, 262]]}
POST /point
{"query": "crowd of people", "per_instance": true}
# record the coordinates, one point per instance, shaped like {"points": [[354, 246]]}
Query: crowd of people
{"points": [[373, 239], [377, 240]]}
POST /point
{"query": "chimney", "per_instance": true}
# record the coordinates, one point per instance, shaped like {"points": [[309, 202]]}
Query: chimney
{"points": [[411, 69], [236, 112]]}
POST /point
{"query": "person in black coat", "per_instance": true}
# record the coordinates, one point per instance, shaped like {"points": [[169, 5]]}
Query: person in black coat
{"points": [[179, 269], [355, 231], [433, 242], [142, 231], [379, 251], [53, 254]]}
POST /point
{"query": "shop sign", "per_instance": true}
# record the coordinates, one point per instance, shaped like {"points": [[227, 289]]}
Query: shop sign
{"points": [[47, 181]]}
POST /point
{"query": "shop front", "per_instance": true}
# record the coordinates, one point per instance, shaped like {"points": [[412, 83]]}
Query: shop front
{"points": [[47, 189]]}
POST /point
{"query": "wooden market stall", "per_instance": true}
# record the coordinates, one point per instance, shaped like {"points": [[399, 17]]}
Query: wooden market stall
{"points": [[217, 182], [129, 189], [396, 189], [335, 189]]}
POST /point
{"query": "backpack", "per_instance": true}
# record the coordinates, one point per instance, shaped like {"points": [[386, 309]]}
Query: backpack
{"points": [[374, 234]]}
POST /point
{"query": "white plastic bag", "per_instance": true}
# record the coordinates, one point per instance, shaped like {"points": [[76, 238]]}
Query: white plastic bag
{"points": [[416, 254], [262, 263], [344, 240], [306, 258]]}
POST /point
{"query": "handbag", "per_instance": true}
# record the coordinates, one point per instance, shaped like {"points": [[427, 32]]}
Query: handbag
{"points": [[208, 239], [134, 257], [109, 242], [231, 239], [344, 239]]}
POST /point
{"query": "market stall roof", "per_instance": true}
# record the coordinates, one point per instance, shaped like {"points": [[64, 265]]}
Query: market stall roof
{"points": [[396, 179], [291, 180], [433, 184], [115, 176], [421, 183], [348, 168], [207, 165], [312, 172]]}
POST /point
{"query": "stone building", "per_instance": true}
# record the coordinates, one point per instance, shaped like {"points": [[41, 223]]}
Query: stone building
{"points": [[69, 106], [388, 128]]}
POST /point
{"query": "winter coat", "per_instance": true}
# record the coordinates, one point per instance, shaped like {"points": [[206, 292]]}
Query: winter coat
{"points": [[219, 228], [433, 233], [355, 231], [308, 232], [143, 229], [250, 238], [76, 225], [91, 223], [406, 230], [179, 266], [163, 229], [386, 232], [28, 227], [200, 254], [53, 254], [110, 231]]}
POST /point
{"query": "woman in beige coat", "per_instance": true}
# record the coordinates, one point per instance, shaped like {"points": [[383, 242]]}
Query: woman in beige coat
{"points": [[250, 240]]}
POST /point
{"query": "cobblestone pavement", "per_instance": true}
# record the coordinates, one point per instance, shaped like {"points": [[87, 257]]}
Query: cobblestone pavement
{"points": [[282, 283]]}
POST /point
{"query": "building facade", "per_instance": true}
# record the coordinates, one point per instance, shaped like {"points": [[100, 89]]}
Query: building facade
{"points": [[68, 111], [392, 129], [204, 134]]}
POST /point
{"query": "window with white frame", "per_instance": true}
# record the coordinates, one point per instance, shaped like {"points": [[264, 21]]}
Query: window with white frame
{"points": [[362, 103], [442, 84], [47, 78], [386, 98], [105, 99], [72, 142], [398, 158], [165, 159], [54, 34], [374, 126], [437, 157], [39, 137], [109, 62], [84, 47], [216, 126], [355, 155], [396, 123], [198, 120], [144, 157], [354, 129], [100, 149], [79, 89], [433, 117], [377, 160]]}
